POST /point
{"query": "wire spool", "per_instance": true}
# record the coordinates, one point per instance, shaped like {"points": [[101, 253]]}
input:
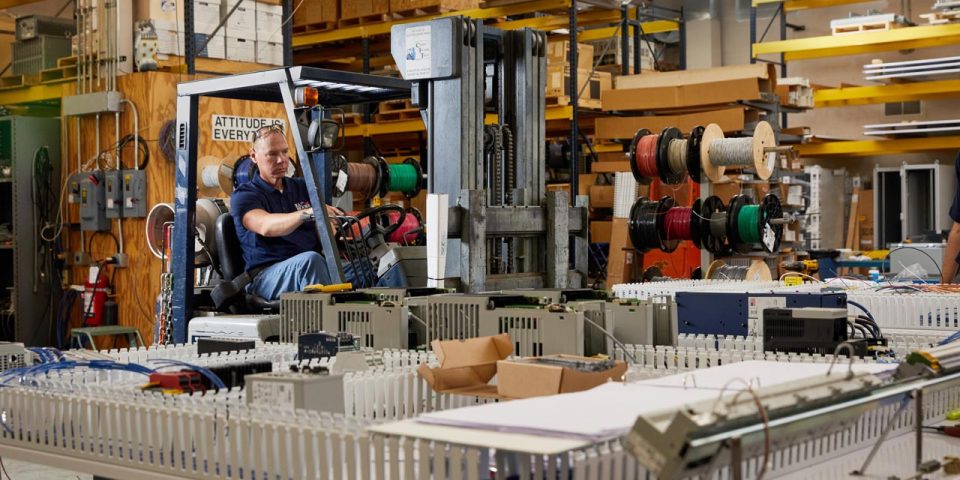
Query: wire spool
{"points": [[642, 225], [693, 153], [406, 178], [410, 231], [643, 155], [713, 225], [717, 153], [735, 223], [671, 156], [363, 179], [758, 270], [752, 224], [681, 223], [208, 169]]}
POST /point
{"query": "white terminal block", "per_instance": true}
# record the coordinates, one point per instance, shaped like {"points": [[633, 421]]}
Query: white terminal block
{"points": [[295, 390], [437, 213]]}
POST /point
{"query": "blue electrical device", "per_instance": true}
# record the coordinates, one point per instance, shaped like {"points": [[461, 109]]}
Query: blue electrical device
{"points": [[741, 313]]}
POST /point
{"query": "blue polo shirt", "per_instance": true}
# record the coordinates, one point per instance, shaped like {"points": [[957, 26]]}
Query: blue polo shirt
{"points": [[258, 194]]}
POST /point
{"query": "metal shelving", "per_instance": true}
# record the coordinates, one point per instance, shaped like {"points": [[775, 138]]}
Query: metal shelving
{"points": [[794, 5], [896, 92], [906, 38], [863, 148]]}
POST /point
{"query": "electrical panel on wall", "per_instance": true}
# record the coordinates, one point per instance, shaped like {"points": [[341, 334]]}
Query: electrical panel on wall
{"points": [[113, 193], [93, 214], [134, 193]]}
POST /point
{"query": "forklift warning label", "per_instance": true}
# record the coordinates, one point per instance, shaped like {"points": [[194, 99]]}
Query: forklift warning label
{"points": [[229, 128], [418, 55]]}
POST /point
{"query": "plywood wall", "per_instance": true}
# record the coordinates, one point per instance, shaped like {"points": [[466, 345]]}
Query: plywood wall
{"points": [[154, 94]]}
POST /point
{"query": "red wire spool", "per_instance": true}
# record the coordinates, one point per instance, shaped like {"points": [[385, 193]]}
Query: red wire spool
{"points": [[408, 232], [643, 155], [677, 224]]}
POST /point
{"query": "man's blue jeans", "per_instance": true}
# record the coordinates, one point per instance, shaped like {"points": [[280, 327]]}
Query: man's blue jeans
{"points": [[307, 268]]}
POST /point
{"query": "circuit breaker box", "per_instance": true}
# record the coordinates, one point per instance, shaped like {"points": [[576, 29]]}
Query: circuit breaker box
{"points": [[134, 194], [93, 215], [113, 193]]}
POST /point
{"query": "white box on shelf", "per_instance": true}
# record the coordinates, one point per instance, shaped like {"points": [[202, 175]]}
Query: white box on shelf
{"points": [[271, 8], [206, 16], [241, 49], [269, 53], [170, 42], [268, 27], [243, 22]]}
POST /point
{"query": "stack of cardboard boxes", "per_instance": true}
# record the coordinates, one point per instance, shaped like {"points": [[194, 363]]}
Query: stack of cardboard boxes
{"points": [[591, 82], [251, 34]]}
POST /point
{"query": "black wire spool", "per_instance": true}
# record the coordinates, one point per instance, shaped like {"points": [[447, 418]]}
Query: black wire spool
{"points": [[697, 274], [695, 224], [771, 209], [663, 164], [693, 153], [421, 177], [652, 274], [733, 232], [632, 155], [714, 244], [643, 225], [383, 174]]}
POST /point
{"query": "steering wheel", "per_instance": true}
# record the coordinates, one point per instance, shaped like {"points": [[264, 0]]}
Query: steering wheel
{"points": [[379, 221]]}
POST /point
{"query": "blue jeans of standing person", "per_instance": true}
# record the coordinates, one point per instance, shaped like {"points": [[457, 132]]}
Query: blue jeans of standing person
{"points": [[307, 268]]}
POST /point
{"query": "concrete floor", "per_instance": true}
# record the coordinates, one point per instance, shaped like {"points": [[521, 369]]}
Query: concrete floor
{"points": [[17, 470]]}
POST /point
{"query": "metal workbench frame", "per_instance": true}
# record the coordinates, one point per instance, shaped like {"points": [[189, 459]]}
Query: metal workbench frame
{"points": [[336, 89]]}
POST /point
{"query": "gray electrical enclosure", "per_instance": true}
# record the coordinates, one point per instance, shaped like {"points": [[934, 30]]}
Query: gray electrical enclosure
{"points": [[113, 193], [93, 215], [134, 194]]}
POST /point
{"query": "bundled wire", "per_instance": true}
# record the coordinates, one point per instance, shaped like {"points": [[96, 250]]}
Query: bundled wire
{"points": [[141, 144], [214, 379]]}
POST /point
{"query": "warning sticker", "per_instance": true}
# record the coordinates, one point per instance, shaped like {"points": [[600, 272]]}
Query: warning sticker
{"points": [[769, 237], [231, 128], [418, 56], [273, 393]]}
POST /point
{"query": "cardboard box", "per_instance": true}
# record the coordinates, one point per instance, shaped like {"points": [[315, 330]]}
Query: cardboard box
{"points": [[241, 49], [600, 231], [243, 22], [362, 8], [683, 96], [321, 11], [591, 86], [558, 54], [206, 15], [622, 254], [699, 76], [729, 119], [467, 366], [444, 5], [269, 53], [268, 27], [526, 378], [170, 42], [601, 196]]}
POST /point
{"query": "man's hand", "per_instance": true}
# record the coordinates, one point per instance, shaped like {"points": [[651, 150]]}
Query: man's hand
{"points": [[332, 211]]}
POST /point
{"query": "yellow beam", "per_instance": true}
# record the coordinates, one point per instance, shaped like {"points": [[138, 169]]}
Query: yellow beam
{"points": [[861, 148], [859, 43], [898, 92], [361, 31], [793, 5], [656, 26], [551, 22], [30, 94], [416, 125]]}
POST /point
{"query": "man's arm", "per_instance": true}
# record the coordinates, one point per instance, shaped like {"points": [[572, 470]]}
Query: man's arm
{"points": [[950, 254], [261, 222]]}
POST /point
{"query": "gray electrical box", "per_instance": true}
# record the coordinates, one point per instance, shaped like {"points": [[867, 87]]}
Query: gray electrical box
{"points": [[93, 215], [290, 390], [73, 187], [113, 193], [134, 193]]}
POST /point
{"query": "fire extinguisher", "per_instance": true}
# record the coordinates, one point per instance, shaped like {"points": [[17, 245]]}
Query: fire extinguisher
{"points": [[94, 296]]}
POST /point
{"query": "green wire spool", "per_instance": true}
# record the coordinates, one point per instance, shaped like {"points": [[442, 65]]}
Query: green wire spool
{"points": [[748, 223], [403, 177]]}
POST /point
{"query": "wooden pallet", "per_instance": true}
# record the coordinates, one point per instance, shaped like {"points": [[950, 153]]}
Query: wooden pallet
{"points": [[349, 119], [397, 115], [363, 20], [564, 100], [940, 18], [422, 11], [60, 74], [66, 62], [315, 27], [393, 105], [17, 81], [866, 27]]}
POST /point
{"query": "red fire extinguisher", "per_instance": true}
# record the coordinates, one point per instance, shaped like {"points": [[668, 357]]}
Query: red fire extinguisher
{"points": [[94, 296]]}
